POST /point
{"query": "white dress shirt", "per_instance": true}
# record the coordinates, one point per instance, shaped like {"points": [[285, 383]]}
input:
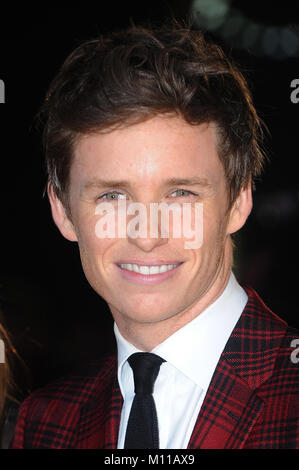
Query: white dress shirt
{"points": [[191, 356]]}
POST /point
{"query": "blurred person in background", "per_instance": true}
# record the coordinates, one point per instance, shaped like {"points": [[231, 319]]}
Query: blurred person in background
{"points": [[8, 403]]}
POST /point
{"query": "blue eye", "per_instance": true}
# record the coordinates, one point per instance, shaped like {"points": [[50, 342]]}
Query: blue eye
{"points": [[112, 196], [182, 193]]}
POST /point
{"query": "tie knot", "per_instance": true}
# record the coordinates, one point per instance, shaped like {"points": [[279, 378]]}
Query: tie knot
{"points": [[145, 368]]}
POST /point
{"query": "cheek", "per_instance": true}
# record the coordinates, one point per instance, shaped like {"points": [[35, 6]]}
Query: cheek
{"points": [[96, 252], [92, 248], [87, 239], [214, 230], [210, 226], [95, 257]]}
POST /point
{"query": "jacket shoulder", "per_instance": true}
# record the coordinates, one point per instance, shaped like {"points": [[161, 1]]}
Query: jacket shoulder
{"points": [[274, 329], [75, 388], [48, 417], [258, 310], [257, 342]]}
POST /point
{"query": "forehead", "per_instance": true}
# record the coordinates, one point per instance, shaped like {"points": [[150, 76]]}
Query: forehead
{"points": [[149, 150]]}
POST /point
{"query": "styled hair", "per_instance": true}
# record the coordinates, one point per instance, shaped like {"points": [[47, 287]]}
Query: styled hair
{"points": [[129, 76]]}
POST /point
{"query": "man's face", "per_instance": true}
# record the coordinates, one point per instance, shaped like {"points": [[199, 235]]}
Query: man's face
{"points": [[161, 160]]}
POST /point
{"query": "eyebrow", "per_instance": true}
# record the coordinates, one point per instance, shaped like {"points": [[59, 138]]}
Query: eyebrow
{"points": [[103, 183], [188, 181]]}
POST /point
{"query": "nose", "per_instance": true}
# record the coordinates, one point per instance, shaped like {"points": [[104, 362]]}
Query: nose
{"points": [[147, 234], [148, 244]]}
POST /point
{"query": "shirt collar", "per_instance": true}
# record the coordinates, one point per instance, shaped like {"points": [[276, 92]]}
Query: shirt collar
{"points": [[202, 340]]}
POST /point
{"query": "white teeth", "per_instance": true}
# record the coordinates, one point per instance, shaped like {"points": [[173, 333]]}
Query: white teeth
{"points": [[154, 270], [144, 270], [163, 268], [148, 270]]}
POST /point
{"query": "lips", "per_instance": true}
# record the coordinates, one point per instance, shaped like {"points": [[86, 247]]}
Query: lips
{"points": [[148, 272], [148, 269]]}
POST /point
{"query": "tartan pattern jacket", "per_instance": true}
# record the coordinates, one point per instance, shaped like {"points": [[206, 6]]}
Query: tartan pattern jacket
{"points": [[252, 401]]}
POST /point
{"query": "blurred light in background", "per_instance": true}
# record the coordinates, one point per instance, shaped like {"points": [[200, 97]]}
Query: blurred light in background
{"points": [[211, 14], [239, 31]]}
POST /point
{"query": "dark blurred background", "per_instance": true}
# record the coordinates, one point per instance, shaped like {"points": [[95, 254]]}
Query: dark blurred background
{"points": [[55, 319]]}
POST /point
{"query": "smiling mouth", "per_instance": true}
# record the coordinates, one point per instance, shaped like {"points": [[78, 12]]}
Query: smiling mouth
{"points": [[149, 270]]}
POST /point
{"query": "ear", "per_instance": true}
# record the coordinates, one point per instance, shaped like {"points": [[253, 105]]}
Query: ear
{"points": [[60, 217], [240, 210]]}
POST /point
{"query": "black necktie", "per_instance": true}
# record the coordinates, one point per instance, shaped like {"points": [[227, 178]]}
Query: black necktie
{"points": [[142, 430]]}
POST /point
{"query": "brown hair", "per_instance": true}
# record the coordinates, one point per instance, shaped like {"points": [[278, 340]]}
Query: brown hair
{"points": [[129, 76]]}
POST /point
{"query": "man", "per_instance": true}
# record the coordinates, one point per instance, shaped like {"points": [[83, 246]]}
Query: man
{"points": [[149, 117]]}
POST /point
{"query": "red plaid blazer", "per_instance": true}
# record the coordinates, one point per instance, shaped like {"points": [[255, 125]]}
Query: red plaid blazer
{"points": [[252, 401]]}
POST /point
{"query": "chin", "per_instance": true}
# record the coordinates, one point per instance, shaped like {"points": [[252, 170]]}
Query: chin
{"points": [[151, 313], [148, 317]]}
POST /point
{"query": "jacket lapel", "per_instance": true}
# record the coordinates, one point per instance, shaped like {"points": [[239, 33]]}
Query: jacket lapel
{"points": [[228, 413], [112, 422], [232, 404], [100, 415]]}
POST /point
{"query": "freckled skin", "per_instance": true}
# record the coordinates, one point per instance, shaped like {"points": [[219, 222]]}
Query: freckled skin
{"points": [[145, 155]]}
